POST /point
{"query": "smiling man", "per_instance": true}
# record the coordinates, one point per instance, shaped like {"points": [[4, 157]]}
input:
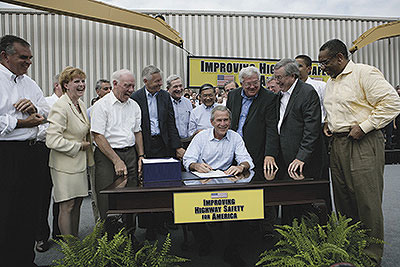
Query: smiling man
{"points": [[182, 107], [115, 125], [22, 109], [160, 136], [200, 116], [299, 133], [218, 148], [358, 102]]}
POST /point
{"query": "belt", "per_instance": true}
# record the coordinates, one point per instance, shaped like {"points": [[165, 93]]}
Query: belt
{"points": [[27, 142], [123, 149], [342, 134]]}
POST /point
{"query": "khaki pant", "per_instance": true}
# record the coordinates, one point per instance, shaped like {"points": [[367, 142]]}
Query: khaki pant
{"points": [[357, 176]]}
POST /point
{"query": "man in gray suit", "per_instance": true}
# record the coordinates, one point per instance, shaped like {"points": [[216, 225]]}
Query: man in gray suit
{"points": [[299, 124], [301, 152]]}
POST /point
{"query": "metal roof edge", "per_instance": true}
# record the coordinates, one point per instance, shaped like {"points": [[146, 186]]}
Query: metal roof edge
{"points": [[230, 13]]}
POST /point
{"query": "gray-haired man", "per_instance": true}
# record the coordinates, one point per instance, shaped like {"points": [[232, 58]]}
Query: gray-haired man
{"points": [[182, 107]]}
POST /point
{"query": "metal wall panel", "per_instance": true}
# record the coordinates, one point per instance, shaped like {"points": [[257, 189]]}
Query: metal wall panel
{"points": [[99, 49]]}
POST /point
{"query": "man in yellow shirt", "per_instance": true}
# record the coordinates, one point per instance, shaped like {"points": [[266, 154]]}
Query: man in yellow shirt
{"points": [[359, 102]]}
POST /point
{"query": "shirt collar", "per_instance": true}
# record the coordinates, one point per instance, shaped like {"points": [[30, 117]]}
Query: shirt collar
{"points": [[176, 101], [205, 107], [113, 98], [290, 91], [348, 69], [11, 76], [149, 94], [212, 137], [246, 97]]}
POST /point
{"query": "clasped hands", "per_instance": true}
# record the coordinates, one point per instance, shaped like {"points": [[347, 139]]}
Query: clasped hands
{"points": [[26, 106]]}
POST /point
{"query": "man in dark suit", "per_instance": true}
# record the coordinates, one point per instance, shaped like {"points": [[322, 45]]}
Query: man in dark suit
{"points": [[301, 152], [299, 124], [160, 136], [253, 116]]}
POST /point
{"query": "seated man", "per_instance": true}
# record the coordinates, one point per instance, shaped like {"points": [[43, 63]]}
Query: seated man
{"points": [[218, 148]]}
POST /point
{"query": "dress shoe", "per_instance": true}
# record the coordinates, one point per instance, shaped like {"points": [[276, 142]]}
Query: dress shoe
{"points": [[151, 234], [42, 246], [232, 257]]}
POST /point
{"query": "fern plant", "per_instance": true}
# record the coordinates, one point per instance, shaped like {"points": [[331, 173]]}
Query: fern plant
{"points": [[309, 244], [98, 250]]}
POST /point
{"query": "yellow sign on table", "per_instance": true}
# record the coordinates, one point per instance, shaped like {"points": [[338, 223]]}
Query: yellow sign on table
{"points": [[216, 206]]}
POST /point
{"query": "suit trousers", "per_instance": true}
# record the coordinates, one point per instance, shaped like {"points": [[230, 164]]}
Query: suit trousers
{"points": [[105, 174], [357, 176], [19, 198]]}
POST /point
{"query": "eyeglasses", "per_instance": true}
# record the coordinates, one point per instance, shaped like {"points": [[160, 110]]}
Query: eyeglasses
{"points": [[254, 83], [326, 62], [279, 77]]}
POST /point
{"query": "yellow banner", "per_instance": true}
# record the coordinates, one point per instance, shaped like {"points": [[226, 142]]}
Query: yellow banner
{"points": [[219, 70], [216, 206]]}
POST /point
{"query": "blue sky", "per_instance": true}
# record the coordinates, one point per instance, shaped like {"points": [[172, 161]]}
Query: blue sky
{"points": [[363, 8]]}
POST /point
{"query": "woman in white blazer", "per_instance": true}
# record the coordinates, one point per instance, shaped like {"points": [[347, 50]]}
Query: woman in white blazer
{"points": [[69, 140]]}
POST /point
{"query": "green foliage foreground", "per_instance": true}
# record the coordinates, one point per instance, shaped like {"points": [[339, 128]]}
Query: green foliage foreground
{"points": [[100, 251], [309, 244]]}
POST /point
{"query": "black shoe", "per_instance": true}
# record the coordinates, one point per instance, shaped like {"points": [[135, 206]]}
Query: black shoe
{"points": [[42, 246], [151, 234], [232, 257]]}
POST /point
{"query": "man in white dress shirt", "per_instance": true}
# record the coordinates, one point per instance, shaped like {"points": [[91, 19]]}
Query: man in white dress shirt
{"points": [[22, 108], [200, 116], [57, 91], [115, 125], [217, 148], [182, 107]]}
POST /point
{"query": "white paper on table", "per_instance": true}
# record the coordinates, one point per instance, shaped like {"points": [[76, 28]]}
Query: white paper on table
{"points": [[160, 160], [211, 174]]}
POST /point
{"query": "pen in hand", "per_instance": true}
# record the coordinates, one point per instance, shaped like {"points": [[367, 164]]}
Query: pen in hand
{"points": [[207, 165]]}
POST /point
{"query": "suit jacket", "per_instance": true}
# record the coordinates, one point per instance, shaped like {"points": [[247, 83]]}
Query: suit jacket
{"points": [[67, 129], [166, 119], [301, 134], [259, 125]]}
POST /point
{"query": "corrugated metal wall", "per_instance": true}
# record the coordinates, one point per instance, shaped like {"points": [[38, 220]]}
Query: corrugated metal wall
{"points": [[99, 49]]}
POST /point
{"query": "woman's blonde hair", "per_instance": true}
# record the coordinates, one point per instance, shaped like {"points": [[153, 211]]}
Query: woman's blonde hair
{"points": [[68, 74]]}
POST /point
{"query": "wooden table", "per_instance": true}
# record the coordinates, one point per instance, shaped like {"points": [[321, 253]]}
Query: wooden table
{"points": [[160, 199]]}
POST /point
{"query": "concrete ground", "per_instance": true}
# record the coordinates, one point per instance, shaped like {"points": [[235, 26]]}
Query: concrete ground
{"points": [[253, 244]]}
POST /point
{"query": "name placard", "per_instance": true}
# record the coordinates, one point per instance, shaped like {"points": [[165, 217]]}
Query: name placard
{"points": [[216, 206]]}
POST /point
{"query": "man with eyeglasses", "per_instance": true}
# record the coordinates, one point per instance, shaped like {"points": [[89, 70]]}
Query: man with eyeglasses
{"points": [[359, 102], [299, 136], [116, 128]]}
